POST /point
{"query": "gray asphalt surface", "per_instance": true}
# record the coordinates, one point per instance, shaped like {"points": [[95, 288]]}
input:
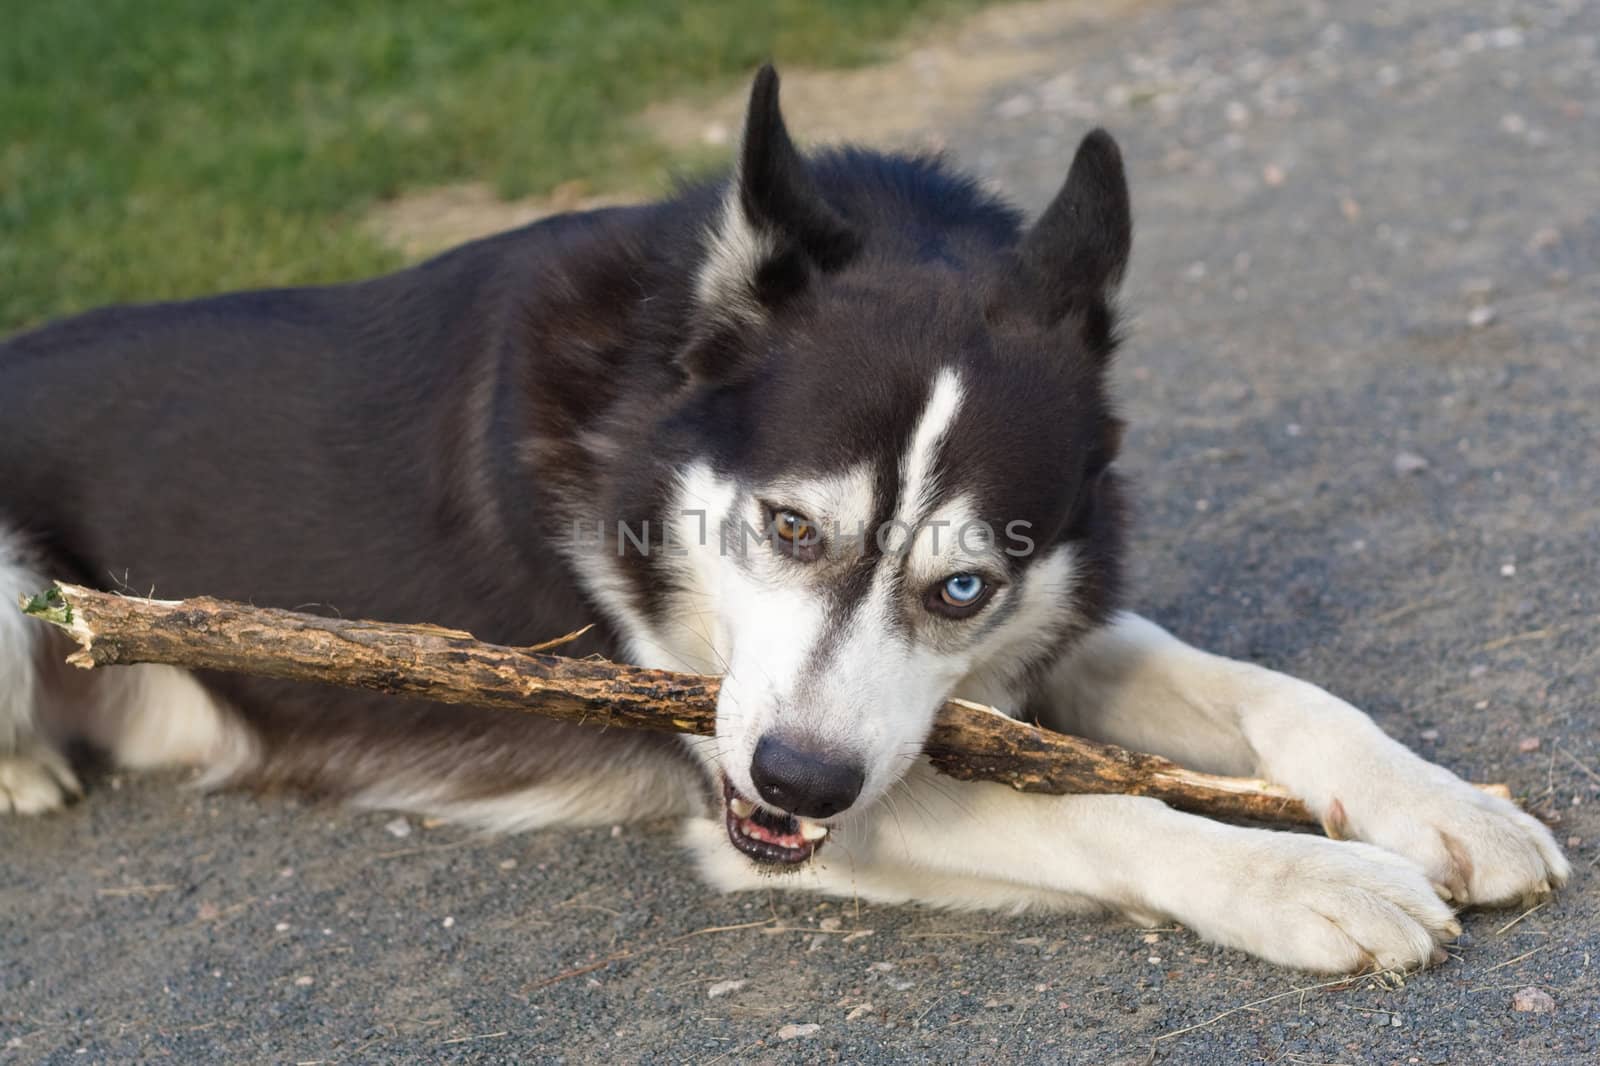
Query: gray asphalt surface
{"points": [[1365, 398]]}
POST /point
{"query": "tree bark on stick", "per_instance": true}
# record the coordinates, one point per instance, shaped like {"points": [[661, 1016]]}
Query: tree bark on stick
{"points": [[968, 741]]}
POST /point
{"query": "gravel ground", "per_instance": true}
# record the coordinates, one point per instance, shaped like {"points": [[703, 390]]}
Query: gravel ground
{"points": [[1364, 393]]}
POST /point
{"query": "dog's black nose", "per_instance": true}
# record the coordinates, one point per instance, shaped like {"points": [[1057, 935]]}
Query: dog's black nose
{"points": [[807, 783]]}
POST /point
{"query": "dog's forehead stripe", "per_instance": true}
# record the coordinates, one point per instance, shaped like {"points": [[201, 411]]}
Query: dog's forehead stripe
{"points": [[871, 587], [918, 470]]}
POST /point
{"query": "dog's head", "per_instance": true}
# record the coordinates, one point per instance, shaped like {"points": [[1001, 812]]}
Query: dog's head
{"points": [[899, 437]]}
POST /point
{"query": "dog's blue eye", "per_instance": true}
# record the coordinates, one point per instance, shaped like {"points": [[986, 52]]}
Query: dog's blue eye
{"points": [[962, 590]]}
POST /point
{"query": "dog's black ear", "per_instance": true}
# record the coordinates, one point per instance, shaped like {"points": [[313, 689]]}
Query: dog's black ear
{"points": [[775, 230], [1073, 259]]}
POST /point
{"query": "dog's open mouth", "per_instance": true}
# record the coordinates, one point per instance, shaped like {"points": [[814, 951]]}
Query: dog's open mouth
{"points": [[767, 836]]}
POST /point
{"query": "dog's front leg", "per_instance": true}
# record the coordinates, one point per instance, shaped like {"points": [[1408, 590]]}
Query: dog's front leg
{"points": [[1296, 900], [1134, 684]]}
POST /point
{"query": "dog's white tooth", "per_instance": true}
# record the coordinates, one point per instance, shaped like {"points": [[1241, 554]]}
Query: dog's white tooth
{"points": [[741, 807], [812, 831]]}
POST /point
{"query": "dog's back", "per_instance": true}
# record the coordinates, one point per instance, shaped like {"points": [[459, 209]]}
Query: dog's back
{"points": [[320, 448], [280, 446]]}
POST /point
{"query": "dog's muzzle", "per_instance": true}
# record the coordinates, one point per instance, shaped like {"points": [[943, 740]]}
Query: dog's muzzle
{"points": [[768, 836]]}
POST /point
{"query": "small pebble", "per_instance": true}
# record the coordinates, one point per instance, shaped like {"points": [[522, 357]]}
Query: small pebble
{"points": [[397, 827], [305, 981], [1528, 744], [282, 927], [795, 1032], [1574, 842], [1545, 237], [1409, 463], [448, 922], [1508, 569], [1533, 1000], [829, 925], [1482, 316], [508, 864], [1152, 938], [1429, 734], [723, 988]]}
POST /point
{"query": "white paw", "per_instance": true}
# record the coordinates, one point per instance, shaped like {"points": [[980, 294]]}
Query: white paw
{"points": [[35, 781], [1476, 848], [1322, 905]]}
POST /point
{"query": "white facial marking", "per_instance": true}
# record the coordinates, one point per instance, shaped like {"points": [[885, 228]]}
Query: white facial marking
{"points": [[952, 539], [1045, 610], [839, 505], [918, 478]]}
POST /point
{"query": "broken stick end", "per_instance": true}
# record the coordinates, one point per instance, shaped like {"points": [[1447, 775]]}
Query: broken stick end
{"points": [[53, 606], [50, 605]]}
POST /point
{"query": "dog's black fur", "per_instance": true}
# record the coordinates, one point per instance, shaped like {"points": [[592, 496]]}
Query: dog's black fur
{"points": [[413, 448]]}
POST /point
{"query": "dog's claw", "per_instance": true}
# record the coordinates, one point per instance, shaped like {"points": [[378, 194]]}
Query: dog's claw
{"points": [[1335, 824]]}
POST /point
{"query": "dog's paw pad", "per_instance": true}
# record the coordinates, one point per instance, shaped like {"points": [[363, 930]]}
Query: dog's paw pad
{"points": [[35, 782]]}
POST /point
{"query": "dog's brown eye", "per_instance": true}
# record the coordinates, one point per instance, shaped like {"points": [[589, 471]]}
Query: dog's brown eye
{"points": [[795, 534], [793, 528]]}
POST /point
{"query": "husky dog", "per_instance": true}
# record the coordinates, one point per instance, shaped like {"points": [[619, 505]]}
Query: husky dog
{"points": [[836, 428]]}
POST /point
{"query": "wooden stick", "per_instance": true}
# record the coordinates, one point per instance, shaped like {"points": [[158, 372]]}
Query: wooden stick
{"points": [[968, 741]]}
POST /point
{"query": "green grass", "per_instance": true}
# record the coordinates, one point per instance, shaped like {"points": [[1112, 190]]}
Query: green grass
{"points": [[152, 149]]}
